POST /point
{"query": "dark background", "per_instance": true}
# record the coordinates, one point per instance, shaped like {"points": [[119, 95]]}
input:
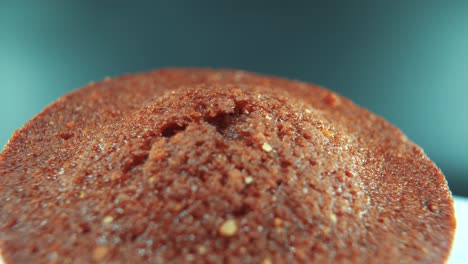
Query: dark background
{"points": [[404, 60]]}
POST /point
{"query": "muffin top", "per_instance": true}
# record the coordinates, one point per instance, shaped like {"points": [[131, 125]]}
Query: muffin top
{"points": [[218, 166]]}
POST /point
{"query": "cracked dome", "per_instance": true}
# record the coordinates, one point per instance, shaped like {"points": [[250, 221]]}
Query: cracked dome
{"points": [[180, 165]]}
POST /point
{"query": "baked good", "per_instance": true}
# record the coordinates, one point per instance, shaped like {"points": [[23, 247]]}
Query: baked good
{"points": [[218, 166]]}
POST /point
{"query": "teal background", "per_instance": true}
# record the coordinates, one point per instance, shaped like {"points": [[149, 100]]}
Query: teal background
{"points": [[404, 60]]}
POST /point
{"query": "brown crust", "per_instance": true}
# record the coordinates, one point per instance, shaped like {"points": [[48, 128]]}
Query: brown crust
{"points": [[212, 166]]}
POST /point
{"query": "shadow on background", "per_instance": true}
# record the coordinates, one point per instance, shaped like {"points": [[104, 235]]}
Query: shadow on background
{"points": [[405, 61]]}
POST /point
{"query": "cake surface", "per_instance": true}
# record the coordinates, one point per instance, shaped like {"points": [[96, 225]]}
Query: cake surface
{"points": [[181, 165]]}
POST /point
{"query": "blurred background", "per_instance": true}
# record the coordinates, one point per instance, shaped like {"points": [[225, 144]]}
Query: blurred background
{"points": [[404, 60]]}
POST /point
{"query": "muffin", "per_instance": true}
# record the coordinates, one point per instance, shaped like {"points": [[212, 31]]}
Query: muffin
{"points": [[211, 166]]}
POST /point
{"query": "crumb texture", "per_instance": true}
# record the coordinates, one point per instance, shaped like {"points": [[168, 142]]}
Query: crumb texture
{"points": [[192, 165]]}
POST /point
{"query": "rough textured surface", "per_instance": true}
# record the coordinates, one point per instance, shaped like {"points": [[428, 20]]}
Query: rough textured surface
{"points": [[217, 166]]}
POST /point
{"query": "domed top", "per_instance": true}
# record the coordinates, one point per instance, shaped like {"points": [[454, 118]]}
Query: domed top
{"points": [[197, 164]]}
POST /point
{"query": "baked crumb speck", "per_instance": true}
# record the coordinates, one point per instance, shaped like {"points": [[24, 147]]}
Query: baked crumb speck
{"points": [[108, 219], [248, 180], [267, 147], [228, 228]]}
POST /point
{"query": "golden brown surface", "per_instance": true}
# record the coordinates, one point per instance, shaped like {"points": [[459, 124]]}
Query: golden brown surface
{"points": [[218, 166]]}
